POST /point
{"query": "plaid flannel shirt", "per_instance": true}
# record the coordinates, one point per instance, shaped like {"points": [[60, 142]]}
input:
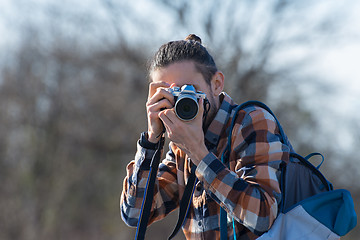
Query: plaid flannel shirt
{"points": [[247, 186]]}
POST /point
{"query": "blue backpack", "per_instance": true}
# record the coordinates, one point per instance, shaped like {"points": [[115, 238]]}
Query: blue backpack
{"points": [[310, 208]]}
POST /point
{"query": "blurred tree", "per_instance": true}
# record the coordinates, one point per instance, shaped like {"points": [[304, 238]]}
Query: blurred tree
{"points": [[72, 99]]}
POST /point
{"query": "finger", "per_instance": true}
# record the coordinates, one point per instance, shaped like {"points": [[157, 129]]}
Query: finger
{"points": [[171, 115], [168, 117], [163, 115], [168, 131], [153, 86], [161, 93], [159, 105]]}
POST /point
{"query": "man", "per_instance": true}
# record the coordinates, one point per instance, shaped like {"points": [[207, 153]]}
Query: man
{"points": [[246, 186]]}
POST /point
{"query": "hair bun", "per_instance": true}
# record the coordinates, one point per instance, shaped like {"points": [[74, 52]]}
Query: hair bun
{"points": [[194, 38]]}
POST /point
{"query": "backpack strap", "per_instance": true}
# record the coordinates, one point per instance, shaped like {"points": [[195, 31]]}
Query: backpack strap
{"points": [[316, 154]]}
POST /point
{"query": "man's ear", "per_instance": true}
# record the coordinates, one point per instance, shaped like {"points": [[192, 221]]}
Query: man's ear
{"points": [[217, 83]]}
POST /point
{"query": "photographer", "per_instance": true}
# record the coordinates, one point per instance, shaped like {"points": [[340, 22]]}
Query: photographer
{"points": [[246, 186]]}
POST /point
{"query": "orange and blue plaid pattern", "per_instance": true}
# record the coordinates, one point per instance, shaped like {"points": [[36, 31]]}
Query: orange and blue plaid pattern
{"points": [[247, 186]]}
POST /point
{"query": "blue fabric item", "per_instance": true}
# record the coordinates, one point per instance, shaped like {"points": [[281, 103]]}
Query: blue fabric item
{"points": [[233, 222], [316, 154], [334, 209], [327, 215], [223, 224], [297, 224]]}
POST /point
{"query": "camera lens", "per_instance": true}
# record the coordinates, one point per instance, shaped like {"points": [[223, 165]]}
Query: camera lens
{"points": [[186, 108]]}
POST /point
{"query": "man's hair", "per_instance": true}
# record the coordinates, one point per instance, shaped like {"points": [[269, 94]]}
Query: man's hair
{"points": [[189, 49]]}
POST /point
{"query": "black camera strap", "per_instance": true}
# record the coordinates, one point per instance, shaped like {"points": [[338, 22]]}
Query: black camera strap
{"points": [[149, 192], [185, 202]]}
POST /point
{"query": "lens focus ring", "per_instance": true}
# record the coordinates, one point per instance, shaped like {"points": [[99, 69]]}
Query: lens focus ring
{"points": [[186, 107]]}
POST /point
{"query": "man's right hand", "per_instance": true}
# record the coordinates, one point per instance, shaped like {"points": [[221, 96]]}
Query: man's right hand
{"points": [[159, 99]]}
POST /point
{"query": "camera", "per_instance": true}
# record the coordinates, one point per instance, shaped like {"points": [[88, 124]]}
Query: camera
{"points": [[186, 101]]}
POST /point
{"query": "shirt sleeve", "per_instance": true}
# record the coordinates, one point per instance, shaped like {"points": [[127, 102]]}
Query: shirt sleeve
{"points": [[165, 191], [251, 193]]}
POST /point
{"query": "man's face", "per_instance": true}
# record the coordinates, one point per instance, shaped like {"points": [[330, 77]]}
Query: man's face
{"points": [[181, 73]]}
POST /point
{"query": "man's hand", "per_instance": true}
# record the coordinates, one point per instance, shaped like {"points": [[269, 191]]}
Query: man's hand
{"points": [[188, 136], [158, 100]]}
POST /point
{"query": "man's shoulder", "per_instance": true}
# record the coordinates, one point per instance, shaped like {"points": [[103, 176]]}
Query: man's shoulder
{"points": [[253, 113]]}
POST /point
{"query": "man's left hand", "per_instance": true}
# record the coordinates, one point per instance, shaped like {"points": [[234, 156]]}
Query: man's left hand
{"points": [[187, 135]]}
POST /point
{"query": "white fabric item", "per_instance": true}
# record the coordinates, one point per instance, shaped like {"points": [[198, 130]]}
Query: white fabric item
{"points": [[298, 224]]}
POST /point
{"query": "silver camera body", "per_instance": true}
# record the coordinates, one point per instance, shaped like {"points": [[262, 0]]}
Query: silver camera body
{"points": [[186, 101]]}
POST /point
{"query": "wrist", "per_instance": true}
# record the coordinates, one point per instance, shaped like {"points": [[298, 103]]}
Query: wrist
{"points": [[145, 143], [151, 137], [200, 154]]}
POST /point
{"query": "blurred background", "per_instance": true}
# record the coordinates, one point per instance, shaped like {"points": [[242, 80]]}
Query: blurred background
{"points": [[73, 86]]}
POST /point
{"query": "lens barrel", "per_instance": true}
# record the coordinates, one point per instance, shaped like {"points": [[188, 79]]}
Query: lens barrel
{"points": [[186, 107]]}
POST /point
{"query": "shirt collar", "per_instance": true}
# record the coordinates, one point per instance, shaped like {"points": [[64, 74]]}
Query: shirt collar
{"points": [[217, 125]]}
